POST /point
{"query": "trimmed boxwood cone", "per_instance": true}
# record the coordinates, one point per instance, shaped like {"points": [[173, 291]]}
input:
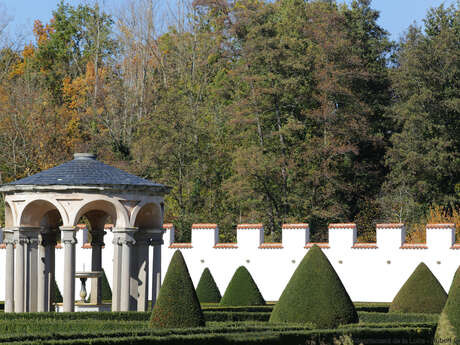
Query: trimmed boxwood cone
{"points": [[177, 304], [421, 293], [242, 290], [207, 290], [315, 294], [449, 321]]}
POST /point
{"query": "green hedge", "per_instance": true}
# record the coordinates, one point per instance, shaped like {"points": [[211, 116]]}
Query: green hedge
{"points": [[376, 307], [242, 290], [236, 316], [396, 317], [294, 337], [259, 308]]}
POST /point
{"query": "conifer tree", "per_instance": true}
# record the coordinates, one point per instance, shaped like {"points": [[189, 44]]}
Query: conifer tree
{"points": [[207, 290], [177, 304], [315, 294], [242, 290]]}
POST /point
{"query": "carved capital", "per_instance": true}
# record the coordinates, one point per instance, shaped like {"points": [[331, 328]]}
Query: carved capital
{"points": [[69, 234], [97, 238]]}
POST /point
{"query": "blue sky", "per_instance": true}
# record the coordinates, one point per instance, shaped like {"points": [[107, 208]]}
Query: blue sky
{"points": [[395, 15]]}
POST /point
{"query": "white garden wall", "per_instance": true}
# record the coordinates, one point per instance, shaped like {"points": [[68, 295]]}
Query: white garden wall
{"points": [[372, 272]]}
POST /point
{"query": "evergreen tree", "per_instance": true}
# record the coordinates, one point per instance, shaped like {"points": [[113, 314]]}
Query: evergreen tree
{"points": [[177, 304], [242, 290], [207, 290], [315, 294], [449, 321], [424, 158], [421, 293]]}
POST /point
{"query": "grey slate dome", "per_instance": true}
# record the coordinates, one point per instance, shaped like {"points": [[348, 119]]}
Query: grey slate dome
{"points": [[84, 170]]}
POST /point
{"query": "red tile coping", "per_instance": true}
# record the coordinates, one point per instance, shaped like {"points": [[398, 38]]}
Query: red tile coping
{"points": [[108, 226], [271, 246], [226, 245], [168, 226], [389, 225], [249, 226], [342, 225], [296, 226], [180, 245], [441, 225], [319, 244], [2, 246], [365, 246], [414, 246], [455, 246], [58, 246], [204, 226], [81, 226]]}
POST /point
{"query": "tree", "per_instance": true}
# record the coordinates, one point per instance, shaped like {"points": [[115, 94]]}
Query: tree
{"points": [[421, 293], [449, 321], [242, 290], [315, 294], [424, 159], [207, 290], [177, 304]]}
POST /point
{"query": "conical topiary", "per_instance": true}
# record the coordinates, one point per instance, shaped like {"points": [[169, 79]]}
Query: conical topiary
{"points": [[315, 294], [421, 293], [177, 304], [449, 321], [207, 290], [242, 290]]}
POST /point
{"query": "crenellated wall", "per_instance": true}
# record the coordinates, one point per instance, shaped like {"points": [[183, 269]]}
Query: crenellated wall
{"points": [[372, 272]]}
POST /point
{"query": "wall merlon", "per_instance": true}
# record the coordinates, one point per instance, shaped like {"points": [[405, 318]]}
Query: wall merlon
{"points": [[205, 235], [250, 235], [342, 234], [440, 235], [295, 235], [390, 235]]}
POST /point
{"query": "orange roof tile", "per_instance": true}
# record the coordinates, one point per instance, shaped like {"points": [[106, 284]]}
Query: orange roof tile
{"points": [[250, 226], [389, 225], [180, 245], [204, 226], [455, 246], [441, 225], [414, 246], [168, 226], [296, 226], [226, 245], [365, 246], [271, 246], [324, 245], [342, 225]]}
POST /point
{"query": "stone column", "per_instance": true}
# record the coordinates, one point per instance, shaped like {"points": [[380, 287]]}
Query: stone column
{"points": [[97, 243], [157, 242], [69, 239], [117, 256], [50, 255], [45, 239], [141, 274], [127, 241], [32, 269], [20, 241], [8, 239]]}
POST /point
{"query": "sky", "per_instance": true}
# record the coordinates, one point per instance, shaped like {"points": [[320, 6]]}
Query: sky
{"points": [[395, 15]]}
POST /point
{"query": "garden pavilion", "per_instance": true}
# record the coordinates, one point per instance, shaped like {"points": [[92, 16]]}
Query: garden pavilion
{"points": [[45, 208]]}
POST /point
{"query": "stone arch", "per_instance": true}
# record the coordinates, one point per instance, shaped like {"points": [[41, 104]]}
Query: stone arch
{"points": [[9, 220], [99, 210], [40, 212], [149, 216]]}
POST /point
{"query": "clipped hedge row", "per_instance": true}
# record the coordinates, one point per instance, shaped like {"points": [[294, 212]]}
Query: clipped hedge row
{"points": [[295, 337], [365, 317], [223, 316], [105, 315], [376, 307], [260, 308]]}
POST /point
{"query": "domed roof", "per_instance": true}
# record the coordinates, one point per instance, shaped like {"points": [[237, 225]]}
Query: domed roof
{"points": [[84, 170]]}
